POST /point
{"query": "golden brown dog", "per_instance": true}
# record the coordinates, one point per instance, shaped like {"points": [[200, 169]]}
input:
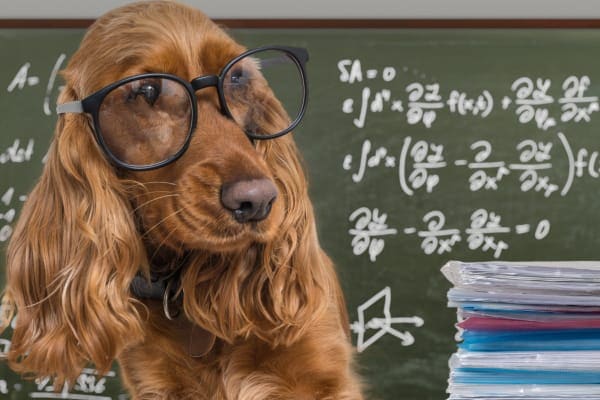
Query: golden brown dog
{"points": [[204, 277]]}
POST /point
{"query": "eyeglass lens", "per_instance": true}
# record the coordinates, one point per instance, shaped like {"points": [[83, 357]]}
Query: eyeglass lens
{"points": [[148, 120], [264, 92]]}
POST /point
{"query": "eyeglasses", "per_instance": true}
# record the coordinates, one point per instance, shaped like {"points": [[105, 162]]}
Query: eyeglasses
{"points": [[147, 121]]}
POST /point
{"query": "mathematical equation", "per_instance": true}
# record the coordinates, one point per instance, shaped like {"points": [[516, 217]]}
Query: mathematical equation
{"points": [[419, 165], [90, 385], [421, 102], [22, 151], [7, 215], [16, 153], [484, 233], [24, 78]]}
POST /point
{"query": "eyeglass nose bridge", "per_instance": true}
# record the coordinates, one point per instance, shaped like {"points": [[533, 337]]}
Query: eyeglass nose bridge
{"points": [[204, 81]]}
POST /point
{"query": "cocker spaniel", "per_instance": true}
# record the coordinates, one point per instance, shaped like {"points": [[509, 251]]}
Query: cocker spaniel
{"points": [[167, 233]]}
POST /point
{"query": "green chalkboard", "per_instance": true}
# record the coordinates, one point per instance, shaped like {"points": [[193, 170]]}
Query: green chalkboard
{"points": [[422, 146]]}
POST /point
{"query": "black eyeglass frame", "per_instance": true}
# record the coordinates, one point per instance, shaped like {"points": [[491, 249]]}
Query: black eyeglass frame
{"points": [[91, 104]]}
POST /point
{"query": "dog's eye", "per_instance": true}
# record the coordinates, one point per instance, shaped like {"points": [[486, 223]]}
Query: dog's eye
{"points": [[149, 91], [238, 77]]}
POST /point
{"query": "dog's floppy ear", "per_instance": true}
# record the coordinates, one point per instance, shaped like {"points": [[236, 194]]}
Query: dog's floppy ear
{"points": [[71, 259], [303, 283]]}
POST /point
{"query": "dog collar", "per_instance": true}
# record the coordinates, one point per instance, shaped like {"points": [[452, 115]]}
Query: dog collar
{"points": [[196, 341], [165, 289], [153, 289]]}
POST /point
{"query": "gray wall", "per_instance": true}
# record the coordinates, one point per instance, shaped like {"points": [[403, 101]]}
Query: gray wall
{"points": [[324, 8]]}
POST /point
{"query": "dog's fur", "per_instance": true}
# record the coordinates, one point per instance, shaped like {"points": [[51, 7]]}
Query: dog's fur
{"points": [[265, 290]]}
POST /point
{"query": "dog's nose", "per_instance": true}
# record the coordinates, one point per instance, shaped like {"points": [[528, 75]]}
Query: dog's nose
{"points": [[249, 200]]}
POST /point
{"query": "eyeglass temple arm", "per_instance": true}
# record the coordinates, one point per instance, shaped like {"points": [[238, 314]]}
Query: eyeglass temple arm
{"points": [[70, 107], [269, 62]]}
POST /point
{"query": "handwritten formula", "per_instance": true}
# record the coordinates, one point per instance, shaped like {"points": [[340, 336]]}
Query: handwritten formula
{"points": [[419, 165], [396, 118], [420, 102], [25, 78], [22, 151], [547, 163], [484, 231]]}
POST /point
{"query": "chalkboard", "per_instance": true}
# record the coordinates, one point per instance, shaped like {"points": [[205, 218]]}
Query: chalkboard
{"points": [[422, 145]]}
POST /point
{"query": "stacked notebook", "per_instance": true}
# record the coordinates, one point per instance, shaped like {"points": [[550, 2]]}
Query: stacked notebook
{"points": [[526, 330]]}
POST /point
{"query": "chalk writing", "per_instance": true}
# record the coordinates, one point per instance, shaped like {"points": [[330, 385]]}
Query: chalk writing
{"points": [[7, 216], [421, 164], [370, 226], [532, 100], [369, 160], [487, 173], [576, 106], [90, 383], [88, 386], [423, 158], [16, 153], [422, 101], [533, 159], [382, 324], [462, 104], [436, 239], [483, 233], [24, 79]]}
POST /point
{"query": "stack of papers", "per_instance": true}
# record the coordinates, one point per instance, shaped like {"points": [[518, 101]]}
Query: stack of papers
{"points": [[526, 330]]}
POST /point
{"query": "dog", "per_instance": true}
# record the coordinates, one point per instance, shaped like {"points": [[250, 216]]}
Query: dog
{"points": [[171, 229]]}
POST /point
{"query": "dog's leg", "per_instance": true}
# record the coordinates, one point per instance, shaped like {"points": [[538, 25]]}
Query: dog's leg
{"points": [[318, 366], [161, 367]]}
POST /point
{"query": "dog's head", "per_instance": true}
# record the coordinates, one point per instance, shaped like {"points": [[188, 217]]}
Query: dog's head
{"points": [[232, 212]]}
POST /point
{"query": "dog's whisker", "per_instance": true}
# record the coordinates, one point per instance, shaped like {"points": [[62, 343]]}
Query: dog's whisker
{"points": [[138, 196], [150, 192], [161, 221], [143, 184], [162, 243], [136, 188], [156, 199], [179, 249], [158, 183]]}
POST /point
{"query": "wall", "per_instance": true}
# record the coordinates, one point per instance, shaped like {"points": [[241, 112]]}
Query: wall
{"points": [[325, 9]]}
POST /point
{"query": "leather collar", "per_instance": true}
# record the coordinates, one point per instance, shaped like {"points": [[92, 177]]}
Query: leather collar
{"points": [[165, 289], [156, 287], [153, 289], [195, 340]]}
